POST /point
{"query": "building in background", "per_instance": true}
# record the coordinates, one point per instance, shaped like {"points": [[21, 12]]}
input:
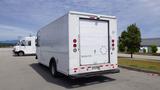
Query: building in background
{"points": [[146, 43]]}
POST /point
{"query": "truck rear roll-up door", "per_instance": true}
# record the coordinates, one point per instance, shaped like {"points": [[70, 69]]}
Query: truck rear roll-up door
{"points": [[94, 41]]}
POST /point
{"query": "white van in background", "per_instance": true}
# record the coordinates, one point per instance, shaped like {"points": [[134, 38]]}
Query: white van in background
{"points": [[25, 46], [79, 45]]}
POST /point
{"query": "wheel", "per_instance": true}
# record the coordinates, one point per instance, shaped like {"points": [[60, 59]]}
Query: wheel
{"points": [[53, 69], [40, 64], [20, 53]]}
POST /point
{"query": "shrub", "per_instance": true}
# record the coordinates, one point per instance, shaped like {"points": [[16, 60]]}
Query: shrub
{"points": [[153, 48], [144, 50]]}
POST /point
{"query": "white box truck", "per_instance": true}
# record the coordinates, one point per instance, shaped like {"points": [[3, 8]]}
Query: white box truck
{"points": [[79, 45], [25, 46]]}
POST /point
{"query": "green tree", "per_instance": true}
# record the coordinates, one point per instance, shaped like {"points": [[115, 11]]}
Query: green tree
{"points": [[153, 48], [131, 39], [122, 41], [121, 47]]}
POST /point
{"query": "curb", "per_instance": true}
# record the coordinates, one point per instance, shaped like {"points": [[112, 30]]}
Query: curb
{"points": [[140, 70]]}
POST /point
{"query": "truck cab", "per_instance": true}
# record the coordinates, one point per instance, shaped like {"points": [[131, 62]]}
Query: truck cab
{"points": [[25, 46]]}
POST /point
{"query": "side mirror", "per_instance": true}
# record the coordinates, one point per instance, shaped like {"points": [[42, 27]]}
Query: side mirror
{"points": [[22, 45], [36, 42], [36, 45]]}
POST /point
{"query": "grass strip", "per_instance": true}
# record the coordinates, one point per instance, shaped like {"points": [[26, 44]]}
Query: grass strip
{"points": [[142, 65]]}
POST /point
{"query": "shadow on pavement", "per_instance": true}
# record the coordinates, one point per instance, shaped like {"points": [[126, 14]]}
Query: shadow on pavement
{"points": [[24, 55], [67, 82]]}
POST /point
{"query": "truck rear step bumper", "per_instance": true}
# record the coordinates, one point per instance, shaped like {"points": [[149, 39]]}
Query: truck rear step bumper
{"points": [[112, 71]]}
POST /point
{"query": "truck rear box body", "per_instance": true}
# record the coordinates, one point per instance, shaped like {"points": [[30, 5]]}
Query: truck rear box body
{"points": [[81, 43]]}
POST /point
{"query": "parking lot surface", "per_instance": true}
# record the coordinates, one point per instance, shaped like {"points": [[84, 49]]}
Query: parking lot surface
{"points": [[24, 73]]}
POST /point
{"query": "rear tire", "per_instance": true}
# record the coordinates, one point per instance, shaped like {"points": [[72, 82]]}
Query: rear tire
{"points": [[21, 53], [53, 69]]}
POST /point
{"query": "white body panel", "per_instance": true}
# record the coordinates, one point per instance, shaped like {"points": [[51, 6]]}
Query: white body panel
{"points": [[94, 38], [29, 46]]}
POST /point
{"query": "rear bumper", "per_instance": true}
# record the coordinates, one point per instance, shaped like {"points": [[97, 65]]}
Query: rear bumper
{"points": [[112, 71]]}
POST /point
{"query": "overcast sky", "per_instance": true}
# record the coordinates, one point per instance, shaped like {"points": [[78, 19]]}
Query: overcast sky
{"points": [[24, 17]]}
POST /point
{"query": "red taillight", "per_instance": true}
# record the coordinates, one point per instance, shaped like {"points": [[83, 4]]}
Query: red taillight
{"points": [[74, 40], [74, 45], [112, 65], [106, 65], [113, 44], [75, 69], [101, 65], [82, 67]]}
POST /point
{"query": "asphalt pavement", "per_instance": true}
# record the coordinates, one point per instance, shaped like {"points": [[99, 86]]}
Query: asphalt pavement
{"points": [[24, 73]]}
